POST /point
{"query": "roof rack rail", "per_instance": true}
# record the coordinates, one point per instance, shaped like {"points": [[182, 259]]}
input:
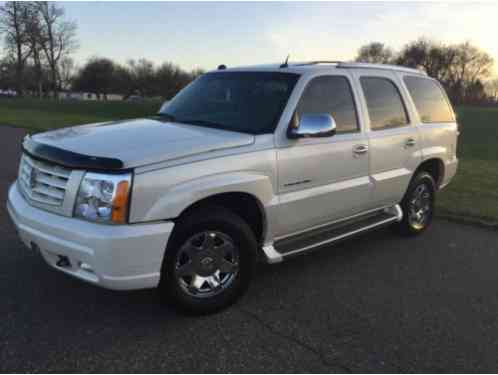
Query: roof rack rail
{"points": [[318, 62], [360, 65]]}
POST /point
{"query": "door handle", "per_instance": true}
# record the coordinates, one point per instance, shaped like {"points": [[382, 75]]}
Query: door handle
{"points": [[360, 149], [410, 142]]}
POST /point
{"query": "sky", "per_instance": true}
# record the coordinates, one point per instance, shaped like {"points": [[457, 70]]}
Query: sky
{"points": [[204, 35]]}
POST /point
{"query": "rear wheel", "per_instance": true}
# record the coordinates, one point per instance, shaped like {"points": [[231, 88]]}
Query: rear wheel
{"points": [[209, 262], [418, 205]]}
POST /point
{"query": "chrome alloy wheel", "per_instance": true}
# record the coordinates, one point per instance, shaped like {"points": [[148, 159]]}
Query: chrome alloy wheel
{"points": [[207, 264], [420, 206]]}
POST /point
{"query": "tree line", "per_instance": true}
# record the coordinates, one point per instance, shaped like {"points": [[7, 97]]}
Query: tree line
{"points": [[102, 76], [464, 69], [38, 41]]}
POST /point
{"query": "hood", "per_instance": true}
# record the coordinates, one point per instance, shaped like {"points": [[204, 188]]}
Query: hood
{"points": [[136, 142]]}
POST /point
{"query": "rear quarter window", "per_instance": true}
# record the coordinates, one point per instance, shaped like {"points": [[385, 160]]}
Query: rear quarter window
{"points": [[430, 101]]}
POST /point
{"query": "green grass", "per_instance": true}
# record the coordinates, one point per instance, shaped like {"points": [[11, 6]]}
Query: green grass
{"points": [[472, 193], [44, 114], [474, 190]]}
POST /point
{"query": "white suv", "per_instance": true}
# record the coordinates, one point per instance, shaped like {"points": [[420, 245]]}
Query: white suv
{"points": [[265, 161]]}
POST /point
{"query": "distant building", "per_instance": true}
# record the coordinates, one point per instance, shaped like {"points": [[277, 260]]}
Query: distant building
{"points": [[70, 95]]}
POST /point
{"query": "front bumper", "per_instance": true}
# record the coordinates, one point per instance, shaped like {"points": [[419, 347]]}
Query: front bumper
{"points": [[120, 257]]}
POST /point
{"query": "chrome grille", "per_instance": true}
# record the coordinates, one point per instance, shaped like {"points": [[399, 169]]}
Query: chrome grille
{"points": [[42, 182]]}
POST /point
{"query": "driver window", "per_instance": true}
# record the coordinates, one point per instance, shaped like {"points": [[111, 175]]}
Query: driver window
{"points": [[331, 94]]}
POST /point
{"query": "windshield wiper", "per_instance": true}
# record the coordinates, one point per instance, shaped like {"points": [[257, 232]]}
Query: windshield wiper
{"points": [[167, 116]]}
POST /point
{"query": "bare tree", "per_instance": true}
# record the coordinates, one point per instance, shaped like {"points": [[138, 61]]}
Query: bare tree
{"points": [[376, 53], [435, 58], [66, 72], [492, 89], [142, 74], [461, 68], [13, 19], [58, 36], [471, 65], [35, 42]]}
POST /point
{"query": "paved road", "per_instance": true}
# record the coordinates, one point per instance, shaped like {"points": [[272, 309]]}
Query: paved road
{"points": [[378, 303]]}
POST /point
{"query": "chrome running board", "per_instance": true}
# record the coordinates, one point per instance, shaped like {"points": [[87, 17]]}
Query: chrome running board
{"points": [[335, 232]]}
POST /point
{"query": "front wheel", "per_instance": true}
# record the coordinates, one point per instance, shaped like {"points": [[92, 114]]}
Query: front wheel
{"points": [[209, 262], [418, 205]]}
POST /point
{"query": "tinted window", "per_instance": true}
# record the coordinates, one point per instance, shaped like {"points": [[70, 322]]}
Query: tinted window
{"points": [[249, 102], [384, 103], [330, 94], [429, 100]]}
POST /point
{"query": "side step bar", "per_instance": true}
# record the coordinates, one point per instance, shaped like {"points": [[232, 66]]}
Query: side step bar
{"points": [[313, 239]]}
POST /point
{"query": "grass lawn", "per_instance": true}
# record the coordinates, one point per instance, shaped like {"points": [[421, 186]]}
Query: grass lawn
{"points": [[472, 193], [474, 190], [37, 115]]}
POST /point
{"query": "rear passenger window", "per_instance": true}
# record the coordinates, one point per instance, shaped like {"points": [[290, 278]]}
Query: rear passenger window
{"points": [[330, 94], [384, 103], [429, 100]]}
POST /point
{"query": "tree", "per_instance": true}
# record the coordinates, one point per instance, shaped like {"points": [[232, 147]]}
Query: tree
{"points": [[170, 79], [13, 20], [143, 76], [96, 77], [461, 68], [434, 58], [34, 40], [376, 53], [58, 38], [66, 72], [492, 89], [122, 81], [7, 74], [471, 65], [475, 93]]}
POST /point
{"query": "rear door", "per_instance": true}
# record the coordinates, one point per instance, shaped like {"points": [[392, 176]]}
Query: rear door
{"points": [[394, 141], [435, 121]]}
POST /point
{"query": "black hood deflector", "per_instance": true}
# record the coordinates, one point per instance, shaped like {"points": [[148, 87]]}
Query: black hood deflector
{"points": [[69, 159]]}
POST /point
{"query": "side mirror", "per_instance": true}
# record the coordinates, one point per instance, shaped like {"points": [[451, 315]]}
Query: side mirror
{"points": [[312, 126]]}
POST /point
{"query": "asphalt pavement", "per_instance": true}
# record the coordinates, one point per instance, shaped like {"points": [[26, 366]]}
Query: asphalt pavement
{"points": [[377, 303]]}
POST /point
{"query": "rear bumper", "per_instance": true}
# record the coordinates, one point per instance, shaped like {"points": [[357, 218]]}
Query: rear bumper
{"points": [[121, 257]]}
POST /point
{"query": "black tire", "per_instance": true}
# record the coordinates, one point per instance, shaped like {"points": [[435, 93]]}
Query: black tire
{"points": [[227, 225], [411, 225]]}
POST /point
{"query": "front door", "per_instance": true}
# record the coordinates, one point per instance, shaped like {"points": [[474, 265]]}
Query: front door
{"points": [[324, 179]]}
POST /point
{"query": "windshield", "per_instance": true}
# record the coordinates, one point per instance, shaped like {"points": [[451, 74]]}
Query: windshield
{"points": [[248, 102]]}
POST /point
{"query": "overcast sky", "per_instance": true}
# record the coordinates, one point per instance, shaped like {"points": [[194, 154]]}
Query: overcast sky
{"points": [[203, 35]]}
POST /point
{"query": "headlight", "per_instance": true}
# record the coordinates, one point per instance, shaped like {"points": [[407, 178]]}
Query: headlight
{"points": [[103, 198]]}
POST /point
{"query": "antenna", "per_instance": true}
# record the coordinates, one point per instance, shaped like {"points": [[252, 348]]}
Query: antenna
{"points": [[286, 63], [222, 67]]}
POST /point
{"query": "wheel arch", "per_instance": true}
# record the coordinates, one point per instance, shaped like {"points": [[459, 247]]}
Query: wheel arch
{"points": [[243, 204], [433, 166]]}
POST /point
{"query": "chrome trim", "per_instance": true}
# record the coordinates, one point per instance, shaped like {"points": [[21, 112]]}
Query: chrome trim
{"points": [[359, 65], [272, 255], [393, 219], [331, 222], [313, 126]]}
